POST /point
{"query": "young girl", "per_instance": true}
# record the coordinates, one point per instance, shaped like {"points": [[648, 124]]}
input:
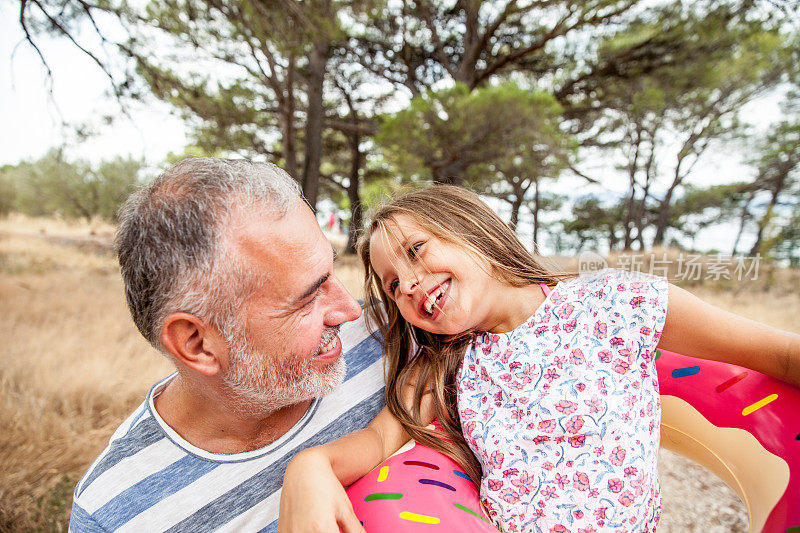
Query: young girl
{"points": [[544, 384]]}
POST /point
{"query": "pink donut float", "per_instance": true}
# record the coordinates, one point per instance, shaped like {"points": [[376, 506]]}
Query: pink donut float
{"points": [[740, 424]]}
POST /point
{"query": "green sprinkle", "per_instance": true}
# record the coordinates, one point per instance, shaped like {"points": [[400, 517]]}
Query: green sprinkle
{"points": [[470, 511], [658, 354], [795, 529], [383, 496]]}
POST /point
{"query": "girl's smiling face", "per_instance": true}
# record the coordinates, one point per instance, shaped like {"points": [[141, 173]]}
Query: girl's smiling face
{"points": [[437, 286]]}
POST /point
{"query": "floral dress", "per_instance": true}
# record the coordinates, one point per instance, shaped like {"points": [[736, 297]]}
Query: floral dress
{"points": [[563, 412]]}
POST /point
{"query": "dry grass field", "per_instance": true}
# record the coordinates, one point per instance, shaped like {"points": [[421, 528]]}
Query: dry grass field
{"points": [[72, 366]]}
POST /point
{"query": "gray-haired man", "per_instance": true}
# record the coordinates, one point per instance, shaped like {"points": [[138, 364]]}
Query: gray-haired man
{"points": [[227, 273]]}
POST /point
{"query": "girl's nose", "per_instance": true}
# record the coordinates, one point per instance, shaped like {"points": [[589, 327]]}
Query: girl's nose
{"points": [[408, 286]]}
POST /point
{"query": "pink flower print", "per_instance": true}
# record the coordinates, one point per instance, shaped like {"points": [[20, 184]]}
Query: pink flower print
{"points": [[523, 483], [548, 465], [620, 366], [630, 471], [558, 528], [599, 451], [549, 492], [566, 407], [484, 374], [506, 377], [497, 459], [538, 439], [638, 287], [587, 529], [547, 353], [570, 326], [515, 365], [494, 484], [594, 493], [559, 361], [547, 425], [541, 330], [509, 496], [577, 357], [577, 441], [605, 356], [616, 341], [580, 481], [575, 424], [551, 374], [626, 498], [636, 301], [565, 311], [617, 456], [577, 513], [615, 485], [580, 387], [562, 481], [600, 513], [468, 413], [469, 428], [600, 330], [517, 414], [645, 331], [594, 405], [621, 287]]}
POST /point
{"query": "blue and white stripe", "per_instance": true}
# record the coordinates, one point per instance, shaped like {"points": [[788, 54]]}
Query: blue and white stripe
{"points": [[150, 479]]}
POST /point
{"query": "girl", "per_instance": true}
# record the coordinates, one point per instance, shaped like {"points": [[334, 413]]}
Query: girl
{"points": [[544, 384]]}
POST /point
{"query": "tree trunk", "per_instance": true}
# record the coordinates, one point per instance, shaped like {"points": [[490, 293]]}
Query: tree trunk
{"points": [[317, 61], [289, 137], [449, 174], [536, 206], [742, 221], [356, 209], [762, 224]]}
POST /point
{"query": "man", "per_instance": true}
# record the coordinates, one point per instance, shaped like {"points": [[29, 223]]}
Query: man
{"points": [[227, 273]]}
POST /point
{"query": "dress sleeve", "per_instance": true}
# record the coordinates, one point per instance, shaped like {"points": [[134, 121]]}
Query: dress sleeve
{"points": [[641, 300]]}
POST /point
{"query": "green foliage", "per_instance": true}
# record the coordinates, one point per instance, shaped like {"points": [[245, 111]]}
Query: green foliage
{"points": [[52, 186], [443, 134]]}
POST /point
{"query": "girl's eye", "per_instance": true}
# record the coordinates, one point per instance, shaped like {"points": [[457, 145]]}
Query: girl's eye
{"points": [[413, 250], [393, 286]]}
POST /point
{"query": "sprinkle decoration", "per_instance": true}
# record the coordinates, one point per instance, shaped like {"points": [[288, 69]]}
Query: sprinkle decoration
{"points": [[383, 473], [731, 382], [759, 404], [414, 517], [421, 463], [437, 483], [383, 496], [684, 372], [465, 476], [470, 511]]}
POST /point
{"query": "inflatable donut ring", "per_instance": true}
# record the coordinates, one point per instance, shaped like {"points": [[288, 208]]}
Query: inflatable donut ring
{"points": [[738, 423]]}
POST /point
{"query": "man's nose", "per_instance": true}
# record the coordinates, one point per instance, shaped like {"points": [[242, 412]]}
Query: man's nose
{"points": [[343, 307]]}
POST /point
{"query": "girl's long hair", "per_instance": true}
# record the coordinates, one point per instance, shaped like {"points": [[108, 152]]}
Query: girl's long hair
{"points": [[459, 217]]}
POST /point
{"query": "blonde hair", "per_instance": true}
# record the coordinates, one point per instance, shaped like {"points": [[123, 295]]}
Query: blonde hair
{"points": [[461, 218]]}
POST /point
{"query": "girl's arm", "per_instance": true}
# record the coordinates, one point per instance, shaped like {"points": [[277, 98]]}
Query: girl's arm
{"points": [[313, 497], [696, 328]]}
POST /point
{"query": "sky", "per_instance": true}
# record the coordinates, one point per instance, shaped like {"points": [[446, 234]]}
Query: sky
{"points": [[30, 120]]}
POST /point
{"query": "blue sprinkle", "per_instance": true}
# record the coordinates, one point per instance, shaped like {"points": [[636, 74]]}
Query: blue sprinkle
{"points": [[461, 474], [683, 372]]}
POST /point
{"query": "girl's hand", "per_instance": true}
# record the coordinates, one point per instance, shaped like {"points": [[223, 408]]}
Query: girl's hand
{"points": [[313, 500]]}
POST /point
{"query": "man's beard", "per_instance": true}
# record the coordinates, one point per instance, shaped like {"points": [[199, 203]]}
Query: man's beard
{"points": [[263, 383]]}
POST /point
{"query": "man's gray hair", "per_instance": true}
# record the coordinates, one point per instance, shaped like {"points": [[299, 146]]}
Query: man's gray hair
{"points": [[173, 240]]}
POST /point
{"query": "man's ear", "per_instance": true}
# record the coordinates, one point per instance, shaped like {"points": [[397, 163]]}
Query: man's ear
{"points": [[194, 343]]}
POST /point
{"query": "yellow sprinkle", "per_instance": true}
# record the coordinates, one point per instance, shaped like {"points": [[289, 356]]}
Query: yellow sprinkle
{"points": [[414, 517], [759, 404], [383, 473]]}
